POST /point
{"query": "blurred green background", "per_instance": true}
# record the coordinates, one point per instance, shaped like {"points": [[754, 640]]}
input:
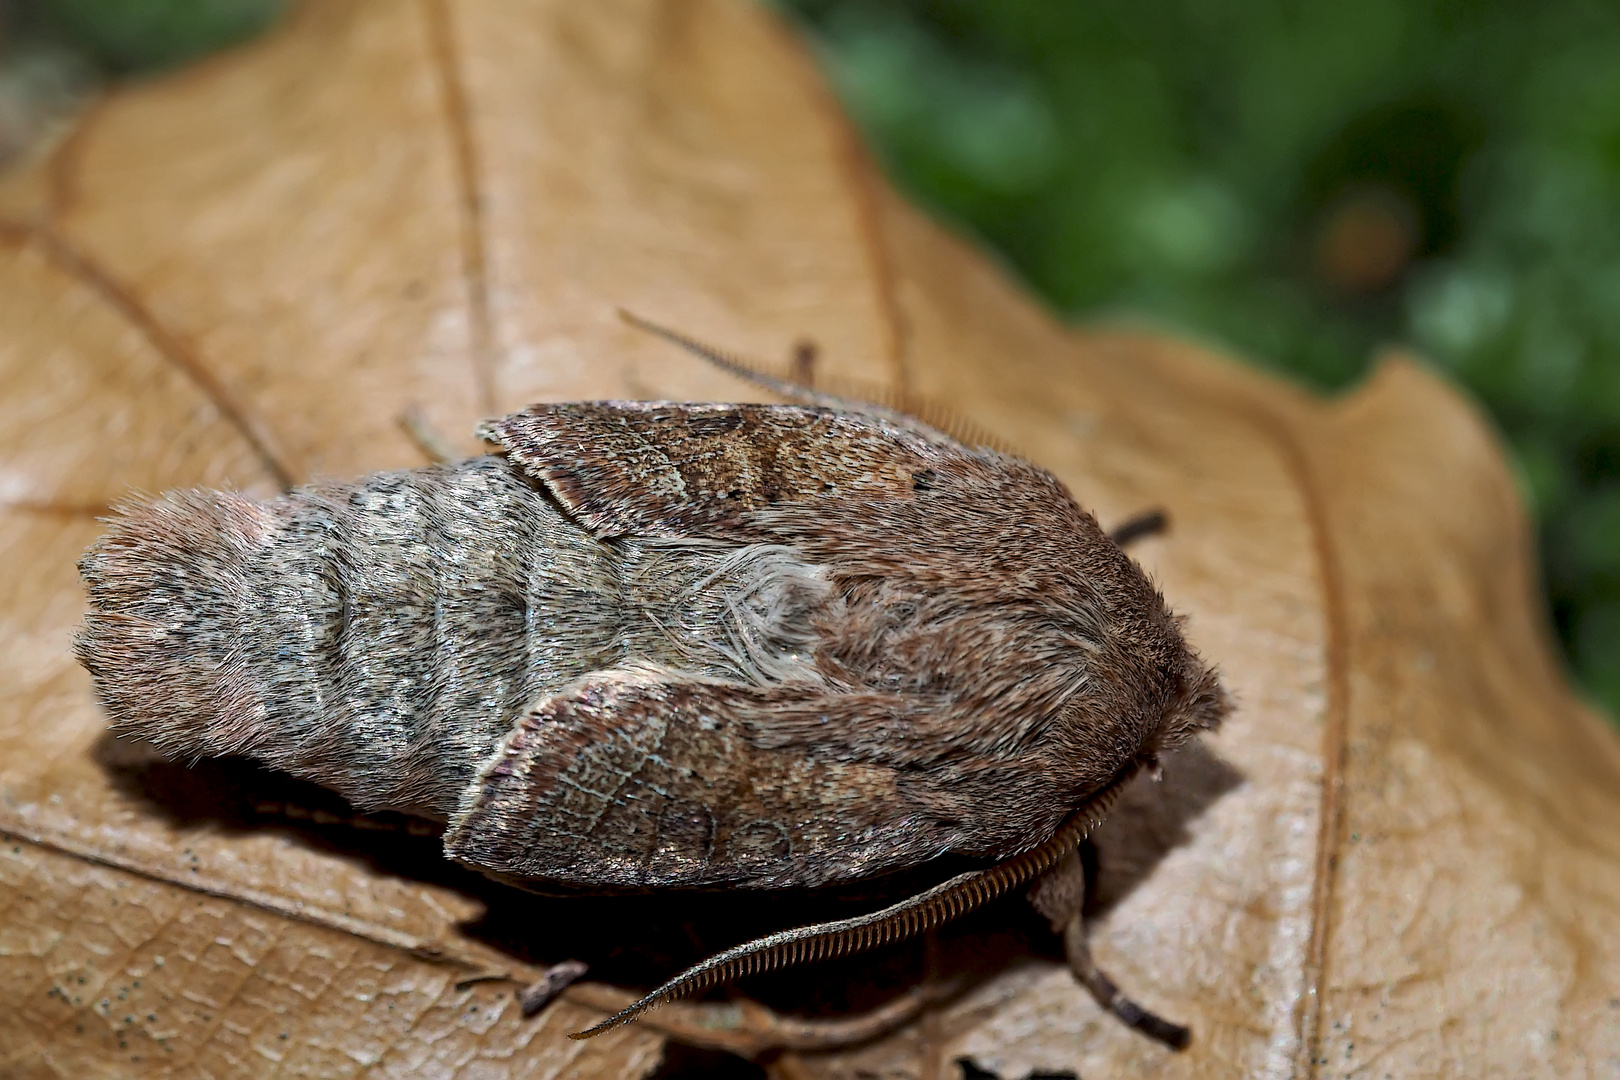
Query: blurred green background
{"points": [[1299, 183]]}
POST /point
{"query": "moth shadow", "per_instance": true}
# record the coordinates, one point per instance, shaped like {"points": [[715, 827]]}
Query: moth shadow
{"points": [[639, 939], [1152, 818], [233, 796]]}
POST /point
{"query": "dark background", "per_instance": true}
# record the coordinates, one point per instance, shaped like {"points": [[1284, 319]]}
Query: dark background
{"points": [[1300, 183]]}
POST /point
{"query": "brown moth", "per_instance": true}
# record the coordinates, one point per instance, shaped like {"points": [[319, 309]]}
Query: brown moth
{"points": [[650, 644]]}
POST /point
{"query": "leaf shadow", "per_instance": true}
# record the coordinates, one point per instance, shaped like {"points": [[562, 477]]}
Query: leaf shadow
{"points": [[639, 939]]}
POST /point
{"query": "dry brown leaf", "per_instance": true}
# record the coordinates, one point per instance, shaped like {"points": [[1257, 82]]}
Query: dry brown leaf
{"points": [[1401, 857]]}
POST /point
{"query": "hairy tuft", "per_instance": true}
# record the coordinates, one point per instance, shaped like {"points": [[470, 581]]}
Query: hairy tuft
{"points": [[167, 604]]}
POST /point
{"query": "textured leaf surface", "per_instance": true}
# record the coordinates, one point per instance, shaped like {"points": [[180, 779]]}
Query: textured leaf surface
{"points": [[1401, 857]]}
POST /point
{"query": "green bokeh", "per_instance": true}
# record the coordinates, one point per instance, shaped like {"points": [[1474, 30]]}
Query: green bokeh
{"points": [[139, 35], [1175, 161]]}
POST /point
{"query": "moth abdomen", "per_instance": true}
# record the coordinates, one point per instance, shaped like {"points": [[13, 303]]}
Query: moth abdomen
{"points": [[378, 637]]}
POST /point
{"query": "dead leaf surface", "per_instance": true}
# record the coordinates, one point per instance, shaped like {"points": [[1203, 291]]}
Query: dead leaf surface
{"points": [[1401, 858]]}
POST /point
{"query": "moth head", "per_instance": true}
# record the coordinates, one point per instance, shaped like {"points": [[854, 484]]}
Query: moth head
{"points": [[1137, 688], [1179, 695], [1196, 702]]}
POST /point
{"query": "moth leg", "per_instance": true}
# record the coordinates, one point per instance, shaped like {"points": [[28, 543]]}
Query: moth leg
{"points": [[557, 978], [1060, 895], [1106, 993], [803, 364], [1148, 523]]}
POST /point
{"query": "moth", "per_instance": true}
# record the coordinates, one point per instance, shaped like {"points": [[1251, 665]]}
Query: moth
{"points": [[662, 645]]}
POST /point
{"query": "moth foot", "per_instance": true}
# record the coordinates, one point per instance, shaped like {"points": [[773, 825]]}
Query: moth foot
{"points": [[557, 978]]}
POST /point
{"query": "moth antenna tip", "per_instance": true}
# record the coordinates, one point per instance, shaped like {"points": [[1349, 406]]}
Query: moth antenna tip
{"points": [[623, 1016]]}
